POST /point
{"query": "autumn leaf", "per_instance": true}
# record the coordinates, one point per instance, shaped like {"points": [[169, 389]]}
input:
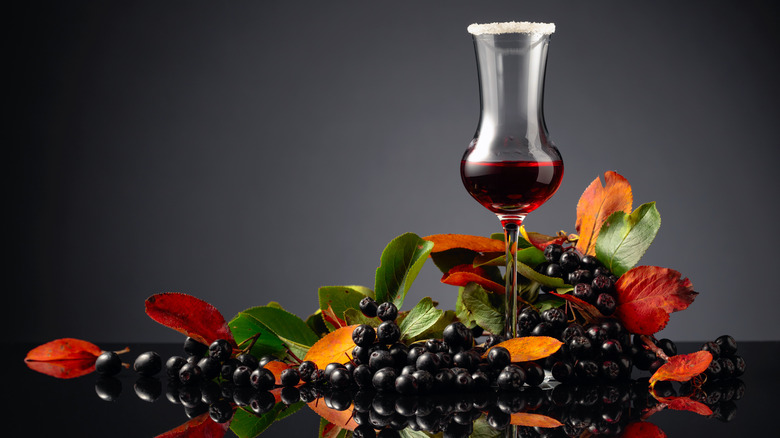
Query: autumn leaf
{"points": [[190, 316], [330, 430], [642, 429], [646, 295], [336, 346], [64, 369], [444, 242], [533, 420], [462, 275], [596, 204], [683, 367], [64, 349], [276, 367], [541, 241], [199, 427], [64, 358], [342, 419], [684, 404], [529, 348]]}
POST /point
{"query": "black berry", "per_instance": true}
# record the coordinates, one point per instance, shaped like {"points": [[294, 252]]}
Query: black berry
{"points": [[220, 350], [108, 363], [148, 364], [387, 311], [368, 306]]}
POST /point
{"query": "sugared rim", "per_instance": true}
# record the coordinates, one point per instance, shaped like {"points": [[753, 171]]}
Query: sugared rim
{"points": [[511, 27]]}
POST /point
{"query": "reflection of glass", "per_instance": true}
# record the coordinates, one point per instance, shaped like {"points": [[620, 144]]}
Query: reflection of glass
{"points": [[511, 167]]}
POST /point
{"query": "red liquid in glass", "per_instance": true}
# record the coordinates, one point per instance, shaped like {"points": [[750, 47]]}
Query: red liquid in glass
{"points": [[511, 187]]}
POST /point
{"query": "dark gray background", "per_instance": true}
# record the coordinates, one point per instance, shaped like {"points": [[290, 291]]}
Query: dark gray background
{"points": [[253, 151]]}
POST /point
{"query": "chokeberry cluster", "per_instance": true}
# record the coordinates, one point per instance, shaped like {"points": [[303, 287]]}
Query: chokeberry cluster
{"points": [[592, 281]]}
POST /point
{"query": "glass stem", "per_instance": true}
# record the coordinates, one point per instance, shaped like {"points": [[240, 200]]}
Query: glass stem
{"points": [[511, 234]]}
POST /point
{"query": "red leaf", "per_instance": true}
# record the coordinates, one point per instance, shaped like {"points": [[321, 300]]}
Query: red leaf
{"points": [[646, 295], [683, 367], [444, 242], [64, 369], [64, 349], [190, 316], [596, 204], [330, 316], [199, 427], [462, 275], [685, 404], [642, 429]]}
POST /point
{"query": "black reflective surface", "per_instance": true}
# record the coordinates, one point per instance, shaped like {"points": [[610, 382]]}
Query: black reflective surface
{"points": [[41, 405]]}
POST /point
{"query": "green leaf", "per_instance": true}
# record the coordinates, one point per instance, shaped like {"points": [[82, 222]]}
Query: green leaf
{"points": [[482, 307], [437, 330], [340, 298], [481, 429], [422, 317], [355, 316], [400, 263], [275, 305], [623, 239], [248, 425], [317, 324], [529, 273], [548, 302], [245, 327], [409, 433], [292, 330], [532, 256]]}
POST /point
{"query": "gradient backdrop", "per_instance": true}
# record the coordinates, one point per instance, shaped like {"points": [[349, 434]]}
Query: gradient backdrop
{"points": [[253, 151]]}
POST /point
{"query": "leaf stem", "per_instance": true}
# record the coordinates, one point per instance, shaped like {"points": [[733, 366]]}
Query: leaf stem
{"points": [[654, 348]]}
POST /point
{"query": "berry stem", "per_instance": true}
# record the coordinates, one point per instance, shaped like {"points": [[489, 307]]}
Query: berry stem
{"points": [[123, 351], [654, 348]]}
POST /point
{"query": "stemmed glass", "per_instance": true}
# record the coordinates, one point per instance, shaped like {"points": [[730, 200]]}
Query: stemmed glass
{"points": [[511, 167]]}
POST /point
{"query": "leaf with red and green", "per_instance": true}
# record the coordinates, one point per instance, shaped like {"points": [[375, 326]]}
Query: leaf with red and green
{"points": [[199, 427], [338, 299], [642, 429], [596, 204], [64, 358], [529, 348], [683, 367], [465, 274], [624, 238], [190, 316], [646, 295], [540, 241]]}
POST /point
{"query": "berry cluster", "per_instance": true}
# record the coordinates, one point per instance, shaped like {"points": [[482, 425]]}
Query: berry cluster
{"points": [[726, 363], [593, 282]]}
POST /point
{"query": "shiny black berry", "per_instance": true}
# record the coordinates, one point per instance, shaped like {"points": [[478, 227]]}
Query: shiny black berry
{"points": [[387, 311], [428, 362], [148, 364], [713, 348], [606, 304], [579, 276], [602, 283], [190, 374], [210, 367], [553, 252], [667, 346], [194, 348], [727, 344], [388, 332], [584, 292], [220, 350], [305, 369], [555, 316], [534, 373], [248, 360], [242, 376], [511, 378], [108, 363], [290, 377], [384, 379], [221, 411], [589, 262], [380, 359], [173, 365], [553, 270], [458, 335], [499, 358], [368, 306], [340, 378], [262, 379], [569, 261], [363, 335], [406, 384]]}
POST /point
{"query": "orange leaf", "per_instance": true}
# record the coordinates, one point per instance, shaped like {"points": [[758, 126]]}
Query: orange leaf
{"points": [[646, 295], [529, 348], [443, 242], [342, 419], [277, 367], [462, 275], [64, 349], [683, 367], [199, 427], [596, 204], [190, 316], [642, 429], [64, 369], [336, 346], [685, 404], [533, 420]]}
